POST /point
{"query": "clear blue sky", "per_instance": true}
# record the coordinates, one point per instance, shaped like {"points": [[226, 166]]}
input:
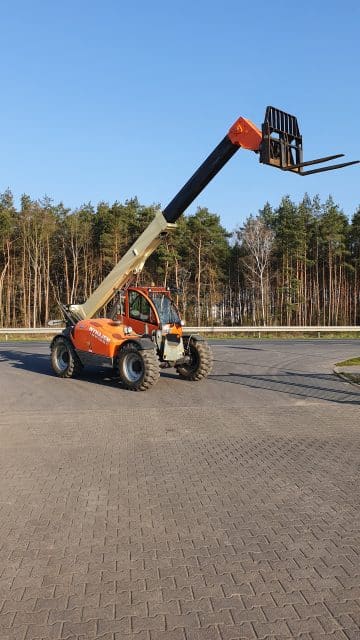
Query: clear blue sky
{"points": [[107, 100]]}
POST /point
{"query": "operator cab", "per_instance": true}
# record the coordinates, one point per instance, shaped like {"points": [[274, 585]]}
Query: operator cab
{"points": [[150, 312], [147, 309]]}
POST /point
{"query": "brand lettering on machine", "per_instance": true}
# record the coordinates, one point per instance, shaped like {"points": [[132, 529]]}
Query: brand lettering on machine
{"points": [[99, 336]]}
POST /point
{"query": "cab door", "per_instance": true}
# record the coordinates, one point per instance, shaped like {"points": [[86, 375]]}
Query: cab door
{"points": [[141, 313]]}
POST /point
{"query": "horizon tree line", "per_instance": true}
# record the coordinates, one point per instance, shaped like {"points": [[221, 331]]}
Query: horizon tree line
{"points": [[294, 264]]}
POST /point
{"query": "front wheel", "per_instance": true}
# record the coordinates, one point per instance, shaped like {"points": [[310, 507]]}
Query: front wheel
{"points": [[64, 360], [138, 369], [200, 364]]}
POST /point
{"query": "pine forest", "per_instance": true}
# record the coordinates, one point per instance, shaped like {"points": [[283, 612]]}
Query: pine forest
{"points": [[295, 264]]}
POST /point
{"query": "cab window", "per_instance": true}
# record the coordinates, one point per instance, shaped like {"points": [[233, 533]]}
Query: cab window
{"points": [[139, 308]]}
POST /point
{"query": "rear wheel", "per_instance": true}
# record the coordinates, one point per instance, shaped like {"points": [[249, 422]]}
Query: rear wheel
{"points": [[64, 360], [200, 364], [138, 369]]}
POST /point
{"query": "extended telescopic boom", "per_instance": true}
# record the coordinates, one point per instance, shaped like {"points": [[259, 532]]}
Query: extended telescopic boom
{"points": [[242, 134], [279, 144]]}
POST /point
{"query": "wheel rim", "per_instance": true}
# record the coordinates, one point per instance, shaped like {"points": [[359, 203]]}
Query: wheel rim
{"points": [[62, 358], [133, 367], [194, 359]]}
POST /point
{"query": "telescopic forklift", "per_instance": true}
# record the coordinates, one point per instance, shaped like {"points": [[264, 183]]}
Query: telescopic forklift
{"points": [[144, 330]]}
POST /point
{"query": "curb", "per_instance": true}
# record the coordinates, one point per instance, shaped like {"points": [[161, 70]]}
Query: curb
{"points": [[353, 379]]}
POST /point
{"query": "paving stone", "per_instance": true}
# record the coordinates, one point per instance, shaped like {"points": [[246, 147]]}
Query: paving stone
{"points": [[182, 516], [210, 633], [60, 615], [7, 619], [195, 606], [162, 608], [122, 626], [278, 628], [244, 631], [31, 618], [287, 612], [88, 629], [305, 625], [175, 634], [98, 613], [50, 631], [18, 605], [149, 623], [17, 633]]}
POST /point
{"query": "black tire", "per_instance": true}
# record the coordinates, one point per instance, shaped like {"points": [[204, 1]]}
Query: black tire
{"points": [[201, 362], [64, 360], [138, 369]]}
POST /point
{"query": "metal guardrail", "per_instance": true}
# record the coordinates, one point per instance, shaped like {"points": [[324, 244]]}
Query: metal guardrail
{"points": [[271, 329], [41, 331], [31, 330]]}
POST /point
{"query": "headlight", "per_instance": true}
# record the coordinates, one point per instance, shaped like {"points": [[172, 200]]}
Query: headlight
{"points": [[165, 329], [127, 330]]}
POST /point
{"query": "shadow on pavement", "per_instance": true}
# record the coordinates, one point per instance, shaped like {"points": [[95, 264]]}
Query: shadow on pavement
{"points": [[40, 363], [234, 346], [324, 386], [37, 362]]}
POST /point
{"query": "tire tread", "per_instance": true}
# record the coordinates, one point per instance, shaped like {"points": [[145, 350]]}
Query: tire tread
{"points": [[75, 367], [205, 363], [152, 370]]}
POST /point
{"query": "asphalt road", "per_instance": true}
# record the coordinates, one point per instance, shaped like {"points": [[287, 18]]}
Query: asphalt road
{"points": [[219, 510]]}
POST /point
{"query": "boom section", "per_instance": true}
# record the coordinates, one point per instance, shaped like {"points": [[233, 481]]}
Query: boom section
{"points": [[131, 263], [243, 133]]}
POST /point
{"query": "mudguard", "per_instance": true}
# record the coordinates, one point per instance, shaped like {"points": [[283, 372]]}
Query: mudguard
{"points": [[141, 343], [192, 336], [66, 332]]}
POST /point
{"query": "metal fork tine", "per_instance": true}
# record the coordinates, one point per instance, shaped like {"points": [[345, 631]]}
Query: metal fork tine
{"points": [[335, 166], [316, 161]]}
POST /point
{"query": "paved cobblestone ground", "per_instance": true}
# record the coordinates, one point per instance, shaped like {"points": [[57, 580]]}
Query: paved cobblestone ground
{"points": [[216, 511]]}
